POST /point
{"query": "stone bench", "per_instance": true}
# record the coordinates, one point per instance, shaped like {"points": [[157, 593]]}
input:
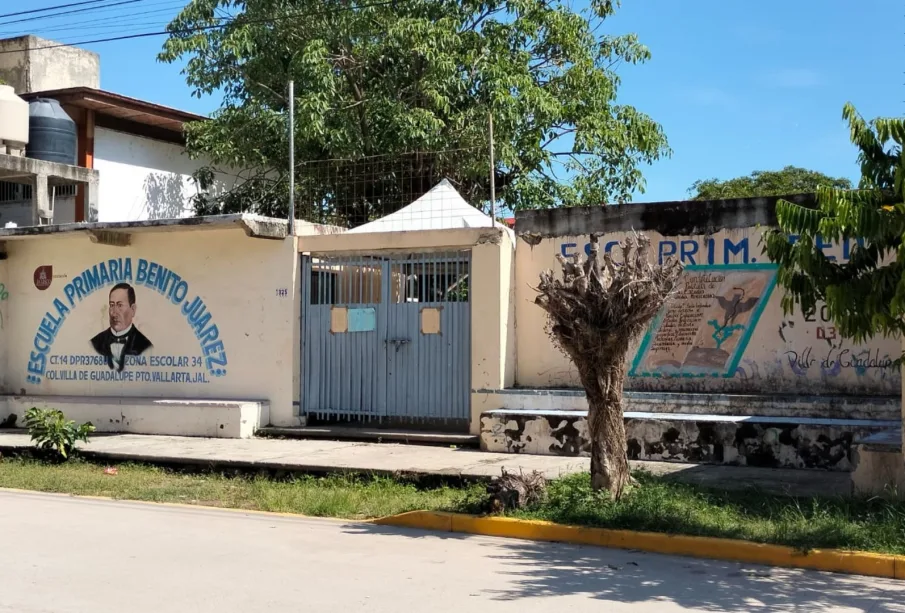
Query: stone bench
{"points": [[780, 405], [878, 464], [177, 417], [764, 441]]}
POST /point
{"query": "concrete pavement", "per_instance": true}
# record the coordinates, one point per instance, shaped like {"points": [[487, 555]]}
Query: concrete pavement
{"points": [[323, 456], [68, 555]]}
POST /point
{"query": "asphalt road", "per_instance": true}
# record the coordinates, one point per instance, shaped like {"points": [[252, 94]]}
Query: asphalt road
{"points": [[61, 554]]}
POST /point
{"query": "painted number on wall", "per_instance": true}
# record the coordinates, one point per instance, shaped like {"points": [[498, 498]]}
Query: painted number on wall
{"points": [[282, 292], [821, 312], [828, 333]]}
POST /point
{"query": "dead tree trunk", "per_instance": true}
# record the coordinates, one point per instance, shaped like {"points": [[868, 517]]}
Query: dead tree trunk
{"points": [[609, 455], [594, 312]]}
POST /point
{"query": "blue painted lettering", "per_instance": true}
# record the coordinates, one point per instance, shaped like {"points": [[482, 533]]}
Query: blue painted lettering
{"points": [[180, 289], [566, 248], [79, 288], [115, 274], [62, 309], [105, 274], [667, 249], [687, 250], [91, 279], [209, 335], [163, 278], [69, 291], [189, 307], [735, 249], [142, 276], [153, 269], [820, 244]]}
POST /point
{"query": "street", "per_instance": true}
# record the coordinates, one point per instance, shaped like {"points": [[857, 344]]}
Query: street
{"points": [[62, 554]]}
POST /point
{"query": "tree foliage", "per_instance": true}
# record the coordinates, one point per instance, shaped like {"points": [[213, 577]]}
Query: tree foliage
{"points": [[790, 180], [864, 296], [386, 79]]}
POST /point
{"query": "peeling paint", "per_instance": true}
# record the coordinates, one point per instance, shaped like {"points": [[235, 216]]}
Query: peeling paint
{"points": [[825, 446]]}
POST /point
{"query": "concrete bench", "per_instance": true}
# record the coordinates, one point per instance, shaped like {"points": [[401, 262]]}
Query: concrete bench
{"points": [[748, 440], [780, 405], [878, 464], [178, 417]]}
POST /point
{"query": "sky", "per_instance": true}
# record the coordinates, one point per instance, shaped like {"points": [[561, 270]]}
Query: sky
{"points": [[737, 85]]}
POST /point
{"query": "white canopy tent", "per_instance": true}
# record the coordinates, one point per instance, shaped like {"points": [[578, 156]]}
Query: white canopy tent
{"points": [[442, 208]]}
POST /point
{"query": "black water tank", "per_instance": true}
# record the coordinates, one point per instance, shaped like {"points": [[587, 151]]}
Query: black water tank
{"points": [[51, 132]]}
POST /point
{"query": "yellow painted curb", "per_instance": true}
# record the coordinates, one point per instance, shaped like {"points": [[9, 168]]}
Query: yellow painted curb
{"points": [[830, 560]]}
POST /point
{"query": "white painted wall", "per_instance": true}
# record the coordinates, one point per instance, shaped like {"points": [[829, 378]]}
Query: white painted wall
{"points": [[143, 178]]}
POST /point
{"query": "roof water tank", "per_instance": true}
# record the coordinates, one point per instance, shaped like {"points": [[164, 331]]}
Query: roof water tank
{"points": [[51, 132], [13, 122]]}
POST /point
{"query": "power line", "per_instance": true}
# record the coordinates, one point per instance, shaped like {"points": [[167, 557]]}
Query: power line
{"points": [[80, 26], [199, 28], [52, 15], [51, 8]]}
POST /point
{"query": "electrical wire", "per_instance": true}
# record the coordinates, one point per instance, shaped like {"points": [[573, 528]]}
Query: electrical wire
{"points": [[50, 8], [121, 19], [52, 15], [200, 28]]}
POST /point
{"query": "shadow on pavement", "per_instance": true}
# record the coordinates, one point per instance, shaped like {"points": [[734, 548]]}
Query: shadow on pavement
{"points": [[538, 570]]}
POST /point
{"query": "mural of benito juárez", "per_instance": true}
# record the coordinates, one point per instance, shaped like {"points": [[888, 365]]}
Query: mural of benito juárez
{"points": [[122, 338]]}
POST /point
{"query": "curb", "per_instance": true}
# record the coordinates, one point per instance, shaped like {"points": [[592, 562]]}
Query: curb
{"points": [[827, 560]]}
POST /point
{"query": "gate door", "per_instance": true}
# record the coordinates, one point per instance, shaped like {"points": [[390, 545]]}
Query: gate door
{"points": [[429, 338], [387, 338]]}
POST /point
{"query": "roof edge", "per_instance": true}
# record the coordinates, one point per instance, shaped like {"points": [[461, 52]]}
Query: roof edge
{"points": [[254, 226]]}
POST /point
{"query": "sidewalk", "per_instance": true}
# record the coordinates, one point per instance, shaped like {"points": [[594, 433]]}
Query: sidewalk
{"points": [[321, 456]]}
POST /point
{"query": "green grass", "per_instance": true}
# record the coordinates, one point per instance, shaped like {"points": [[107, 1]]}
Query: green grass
{"points": [[656, 505], [335, 496], [661, 505]]}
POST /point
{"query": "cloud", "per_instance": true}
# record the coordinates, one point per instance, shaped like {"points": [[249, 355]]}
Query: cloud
{"points": [[792, 78]]}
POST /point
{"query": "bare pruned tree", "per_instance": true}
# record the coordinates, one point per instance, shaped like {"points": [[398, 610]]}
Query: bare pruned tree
{"points": [[595, 311]]}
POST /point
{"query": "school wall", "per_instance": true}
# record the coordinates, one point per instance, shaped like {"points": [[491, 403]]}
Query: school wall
{"points": [[218, 305], [725, 331]]}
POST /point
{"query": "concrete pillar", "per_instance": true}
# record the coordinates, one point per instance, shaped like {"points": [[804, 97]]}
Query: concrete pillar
{"points": [[91, 199], [42, 213]]}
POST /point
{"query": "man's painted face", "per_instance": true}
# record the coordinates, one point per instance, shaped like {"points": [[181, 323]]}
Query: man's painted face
{"points": [[121, 312]]}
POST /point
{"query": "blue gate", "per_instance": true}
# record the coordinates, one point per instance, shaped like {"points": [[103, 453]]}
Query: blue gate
{"points": [[387, 337]]}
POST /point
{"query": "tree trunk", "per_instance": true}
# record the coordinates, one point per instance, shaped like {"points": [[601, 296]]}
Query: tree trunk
{"points": [[609, 453]]}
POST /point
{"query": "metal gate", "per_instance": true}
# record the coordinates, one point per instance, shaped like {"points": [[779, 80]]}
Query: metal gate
{"points": [[387, 337]]}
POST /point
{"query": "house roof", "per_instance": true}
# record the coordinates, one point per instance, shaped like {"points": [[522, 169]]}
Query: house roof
{"points": [[120, 107]]}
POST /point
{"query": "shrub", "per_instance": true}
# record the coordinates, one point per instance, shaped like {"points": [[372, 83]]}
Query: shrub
{"points": [[53, 433]]}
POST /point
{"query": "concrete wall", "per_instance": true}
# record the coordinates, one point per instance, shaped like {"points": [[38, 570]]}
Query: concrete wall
{"points": [[213, 303], [142, 178], [29, 68], [700, 347]]}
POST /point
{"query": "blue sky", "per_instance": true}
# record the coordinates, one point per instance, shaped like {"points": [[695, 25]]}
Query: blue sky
{"points": [[738, 85]]}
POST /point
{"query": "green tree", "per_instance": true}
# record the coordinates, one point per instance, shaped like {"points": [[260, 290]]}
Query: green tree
{"points": [[790, 180], [386, 78], [864, 296]]}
